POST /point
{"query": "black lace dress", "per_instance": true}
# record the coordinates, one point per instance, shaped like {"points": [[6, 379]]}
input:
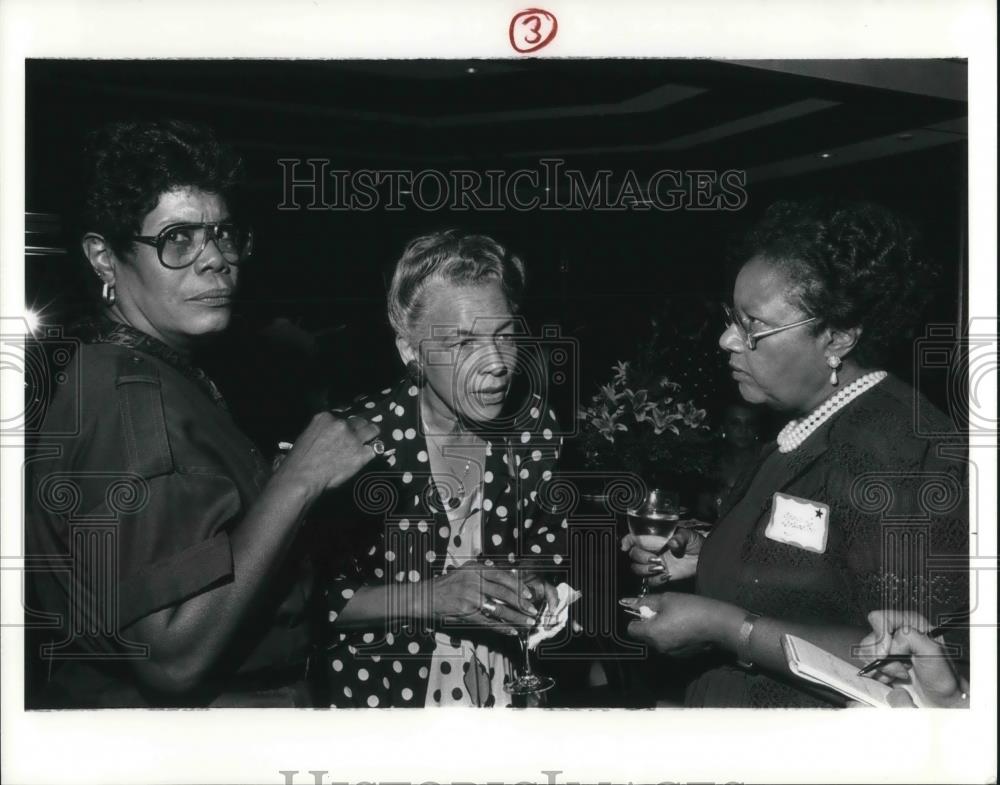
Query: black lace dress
{"points": [[897, 534]]}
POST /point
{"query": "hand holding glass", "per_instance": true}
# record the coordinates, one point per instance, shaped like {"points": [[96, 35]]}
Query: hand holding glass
{"points": [[528, 682], [657, 515]]}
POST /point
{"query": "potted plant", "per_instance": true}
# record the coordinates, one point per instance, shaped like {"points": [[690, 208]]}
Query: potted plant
{"points": [[642, 422]]}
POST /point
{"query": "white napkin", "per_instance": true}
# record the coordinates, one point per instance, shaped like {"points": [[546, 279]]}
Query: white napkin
{"points": [[554, 619]]}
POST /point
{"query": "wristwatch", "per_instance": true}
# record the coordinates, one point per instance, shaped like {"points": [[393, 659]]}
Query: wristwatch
{"points": [[743, 658]]}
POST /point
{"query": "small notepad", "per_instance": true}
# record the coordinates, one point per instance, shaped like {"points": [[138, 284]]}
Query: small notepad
{"points": [[810, 662]]}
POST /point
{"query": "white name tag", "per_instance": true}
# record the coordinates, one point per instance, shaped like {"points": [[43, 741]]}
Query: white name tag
{"points": [[799, 522]]}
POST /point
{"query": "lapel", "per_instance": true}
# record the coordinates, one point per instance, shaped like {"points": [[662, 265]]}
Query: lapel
{"points": [[498, 497], [397, 416], [497, 504], [409, 470]]}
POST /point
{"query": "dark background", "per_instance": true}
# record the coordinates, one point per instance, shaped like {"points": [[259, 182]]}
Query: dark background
{"points": [[889, 131]]}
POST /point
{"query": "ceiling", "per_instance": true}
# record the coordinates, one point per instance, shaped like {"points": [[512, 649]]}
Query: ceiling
{"points": [[772, 118], [893, 131]]}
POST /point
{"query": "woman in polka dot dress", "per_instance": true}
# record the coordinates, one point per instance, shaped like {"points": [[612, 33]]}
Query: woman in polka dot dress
{"points": [[455, 550]]}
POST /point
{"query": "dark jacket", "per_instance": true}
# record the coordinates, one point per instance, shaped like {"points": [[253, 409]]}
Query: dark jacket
{"points": [[137, 479], [898, 532]]}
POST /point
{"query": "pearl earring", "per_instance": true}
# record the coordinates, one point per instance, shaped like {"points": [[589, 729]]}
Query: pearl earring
{"points": [[834, 362]]}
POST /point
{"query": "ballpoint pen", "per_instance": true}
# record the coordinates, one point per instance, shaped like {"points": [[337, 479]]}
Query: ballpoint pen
{"points": [[643, 612], [875, 664]]}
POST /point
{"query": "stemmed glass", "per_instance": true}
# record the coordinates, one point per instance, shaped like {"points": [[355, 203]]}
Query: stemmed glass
{"points": [[528, 682], [658, 515]]}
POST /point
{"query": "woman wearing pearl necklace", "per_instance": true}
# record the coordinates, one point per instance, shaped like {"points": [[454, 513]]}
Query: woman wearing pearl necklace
{"points": [[846, 512]]}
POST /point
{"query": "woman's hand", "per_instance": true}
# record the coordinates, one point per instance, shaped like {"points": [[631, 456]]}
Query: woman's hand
{"points": [[684, 621], [542, 592], [328, 453], [930, 673], [659, 559], [484, 597], [189, 638]]}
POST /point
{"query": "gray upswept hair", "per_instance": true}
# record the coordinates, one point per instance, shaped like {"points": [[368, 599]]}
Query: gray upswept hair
{"points": [[455, 257]]}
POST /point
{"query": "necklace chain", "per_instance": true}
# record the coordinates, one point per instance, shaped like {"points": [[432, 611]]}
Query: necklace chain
{"points": [[797, 431], [456, 499]]}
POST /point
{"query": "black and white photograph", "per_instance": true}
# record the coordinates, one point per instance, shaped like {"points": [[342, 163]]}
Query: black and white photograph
{"points": [[624, 410]]}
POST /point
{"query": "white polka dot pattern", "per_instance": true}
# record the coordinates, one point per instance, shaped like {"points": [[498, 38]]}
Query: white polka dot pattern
{"points": [[416, 538]]}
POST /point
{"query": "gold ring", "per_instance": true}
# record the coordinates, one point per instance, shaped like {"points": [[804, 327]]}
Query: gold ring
{"points": [[488, 608]]}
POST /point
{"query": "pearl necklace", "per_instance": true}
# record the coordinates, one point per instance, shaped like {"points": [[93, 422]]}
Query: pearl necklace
{"points": [[797, 431]]}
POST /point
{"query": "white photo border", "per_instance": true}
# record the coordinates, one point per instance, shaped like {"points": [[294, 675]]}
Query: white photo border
{"points": [[254, 746]]}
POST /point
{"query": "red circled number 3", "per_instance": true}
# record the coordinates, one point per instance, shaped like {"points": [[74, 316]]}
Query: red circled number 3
{"points": [[532, 29], [534, 23]]}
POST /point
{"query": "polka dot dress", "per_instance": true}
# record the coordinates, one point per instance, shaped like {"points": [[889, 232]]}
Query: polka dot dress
{"points": [[411, 538], [463, 672]]}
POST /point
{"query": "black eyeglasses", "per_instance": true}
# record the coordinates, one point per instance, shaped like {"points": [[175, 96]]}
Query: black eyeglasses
{"points": [[179, 245], [750, 339]]}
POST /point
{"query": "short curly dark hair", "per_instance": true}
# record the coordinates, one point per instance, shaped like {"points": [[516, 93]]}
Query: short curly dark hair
{"points": [[132, 163], [852, 264]]}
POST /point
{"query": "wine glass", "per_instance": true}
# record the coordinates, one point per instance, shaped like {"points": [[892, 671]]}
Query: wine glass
{"points": [[528, 682], [658, 514]]}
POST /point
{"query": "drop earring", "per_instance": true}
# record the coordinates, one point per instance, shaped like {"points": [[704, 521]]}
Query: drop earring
{"points": [[415, 373], [108, 293], [834, 362]]}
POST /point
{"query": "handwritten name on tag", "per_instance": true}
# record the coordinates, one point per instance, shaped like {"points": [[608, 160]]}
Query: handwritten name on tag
{"points": [[799, 522]]}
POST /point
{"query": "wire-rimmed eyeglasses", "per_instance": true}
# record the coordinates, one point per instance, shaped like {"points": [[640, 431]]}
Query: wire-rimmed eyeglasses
{"points": [[750, 339], [179, 245]]}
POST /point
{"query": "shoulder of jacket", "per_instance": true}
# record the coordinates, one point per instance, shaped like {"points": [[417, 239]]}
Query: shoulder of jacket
{"points": [[388, 400], [138, 390], [112, 406], [886, 424], [106, 364]]}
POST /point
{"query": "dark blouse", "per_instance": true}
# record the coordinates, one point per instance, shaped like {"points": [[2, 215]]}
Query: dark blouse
{"points": [[897, 523], [138, 476], [401, 533]]}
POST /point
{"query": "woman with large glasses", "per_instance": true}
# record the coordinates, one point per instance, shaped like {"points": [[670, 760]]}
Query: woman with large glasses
{"points": [[172, 571], [855, 502]]}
